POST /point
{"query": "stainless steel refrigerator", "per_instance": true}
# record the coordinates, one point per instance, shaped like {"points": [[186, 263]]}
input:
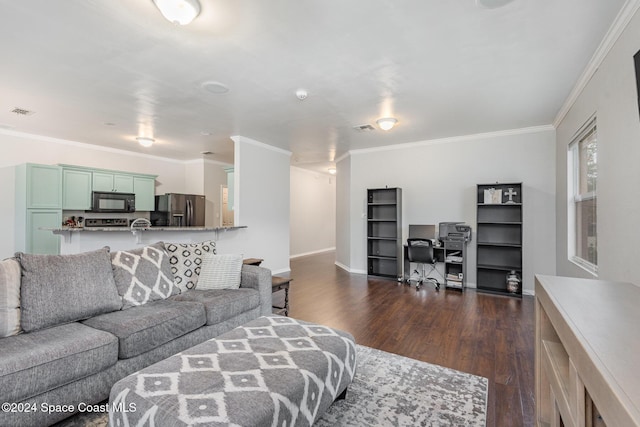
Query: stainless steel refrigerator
{"points": [[179, 210]]}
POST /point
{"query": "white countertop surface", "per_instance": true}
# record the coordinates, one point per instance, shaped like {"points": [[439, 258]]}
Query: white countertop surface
{"points": [[93, 229]]}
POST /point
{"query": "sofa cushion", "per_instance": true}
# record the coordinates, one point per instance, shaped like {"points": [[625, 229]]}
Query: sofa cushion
{"points": [[9, 298], [64, 288], [40, 361], [143, 275], [220, 272], [143, 328], [222, 304], [186, 261]]}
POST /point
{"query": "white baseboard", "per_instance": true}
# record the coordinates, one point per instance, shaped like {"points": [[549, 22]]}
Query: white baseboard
{"points": [[348, 270], [312, 252], [530, 292]]}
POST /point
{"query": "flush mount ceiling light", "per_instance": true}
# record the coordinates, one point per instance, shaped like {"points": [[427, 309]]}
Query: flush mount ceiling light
{"points": [[492, 4], [145, 142], [386, 123], [332, 171], [179, 12]]}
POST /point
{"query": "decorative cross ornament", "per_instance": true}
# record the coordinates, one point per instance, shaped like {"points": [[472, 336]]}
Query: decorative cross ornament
{"points": [[510, 193]]}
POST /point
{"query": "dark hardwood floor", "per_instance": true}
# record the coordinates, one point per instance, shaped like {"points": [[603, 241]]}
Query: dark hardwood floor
{"points": [[482, 334]]}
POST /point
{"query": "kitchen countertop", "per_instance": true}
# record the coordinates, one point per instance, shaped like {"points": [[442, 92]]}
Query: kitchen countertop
{"points": [[90, 229]]}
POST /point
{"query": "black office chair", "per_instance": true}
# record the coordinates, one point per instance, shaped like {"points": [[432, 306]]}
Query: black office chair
{"points": [[420, 251]]}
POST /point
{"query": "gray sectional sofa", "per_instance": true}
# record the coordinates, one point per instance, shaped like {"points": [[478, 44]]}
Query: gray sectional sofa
{"points": [[82, 328]]}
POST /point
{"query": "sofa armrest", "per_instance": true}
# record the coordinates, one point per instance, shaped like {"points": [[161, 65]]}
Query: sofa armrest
{"points": [[258, 278]]}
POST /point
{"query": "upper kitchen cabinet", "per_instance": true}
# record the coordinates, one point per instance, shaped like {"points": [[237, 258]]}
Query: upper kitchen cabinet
{"points": [[41, 184], [112, 182], [76, 189], [144, 188], [80, 181]]}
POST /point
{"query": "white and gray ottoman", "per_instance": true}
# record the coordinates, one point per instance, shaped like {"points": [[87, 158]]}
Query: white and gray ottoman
{"points": [[272, 371]]}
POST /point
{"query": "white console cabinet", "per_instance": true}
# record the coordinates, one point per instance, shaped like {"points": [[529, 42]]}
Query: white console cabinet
{"points": [[587, 352]]}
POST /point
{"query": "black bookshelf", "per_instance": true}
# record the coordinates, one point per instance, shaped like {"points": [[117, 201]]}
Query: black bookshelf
{"points": [[499, 236], [384, 232]]}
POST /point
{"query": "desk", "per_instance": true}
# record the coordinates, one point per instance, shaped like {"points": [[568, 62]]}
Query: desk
{"points": [[452, 269]]}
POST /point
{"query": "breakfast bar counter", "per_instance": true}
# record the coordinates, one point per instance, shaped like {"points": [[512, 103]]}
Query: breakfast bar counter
{"points": [[81, 239]]}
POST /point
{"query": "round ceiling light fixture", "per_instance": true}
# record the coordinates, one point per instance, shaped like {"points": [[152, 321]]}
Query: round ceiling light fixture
{"points": [[215, 87], [178, 12], [386, 123], [145, 142], [492, 4], [332, 171]]}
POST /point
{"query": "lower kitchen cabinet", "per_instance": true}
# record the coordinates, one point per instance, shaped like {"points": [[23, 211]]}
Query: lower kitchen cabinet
{"points": [[42, 241]]}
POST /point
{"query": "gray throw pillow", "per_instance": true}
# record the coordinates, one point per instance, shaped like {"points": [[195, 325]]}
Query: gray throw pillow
{"points": [[65, 288], [186, 261], [143, 275], [9, 298], [220, 272]]}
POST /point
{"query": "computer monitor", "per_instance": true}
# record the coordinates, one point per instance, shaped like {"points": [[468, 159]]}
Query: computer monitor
{"points": [[422, 231]]}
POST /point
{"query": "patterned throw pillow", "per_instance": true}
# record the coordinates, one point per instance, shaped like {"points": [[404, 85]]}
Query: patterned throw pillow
{"points": [[186, 261], [9, 298], [143, 275], [220, 272]]}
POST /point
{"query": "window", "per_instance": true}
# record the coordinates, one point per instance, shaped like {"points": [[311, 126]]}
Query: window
{"points": [[582, 183]]}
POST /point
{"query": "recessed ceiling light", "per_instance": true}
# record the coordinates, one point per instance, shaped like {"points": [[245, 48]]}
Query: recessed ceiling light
{"points": [[215, 87], [145, 142], [492, 4]]}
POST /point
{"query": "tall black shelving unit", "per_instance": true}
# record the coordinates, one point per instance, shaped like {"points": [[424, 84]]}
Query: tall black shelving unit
{"points": [[384, 232], [499, 236]]}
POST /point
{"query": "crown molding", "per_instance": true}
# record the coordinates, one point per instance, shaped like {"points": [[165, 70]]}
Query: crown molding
{"points": [[615, 31], [453, 139], [344, 156], [244, 139], [85, 145]]}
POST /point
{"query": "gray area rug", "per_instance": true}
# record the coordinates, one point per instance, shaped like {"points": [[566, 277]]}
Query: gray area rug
{"points": [[390, 390]]}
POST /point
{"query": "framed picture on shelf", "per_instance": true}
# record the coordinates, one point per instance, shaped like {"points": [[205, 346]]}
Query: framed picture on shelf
{"points": [[493, 196]]}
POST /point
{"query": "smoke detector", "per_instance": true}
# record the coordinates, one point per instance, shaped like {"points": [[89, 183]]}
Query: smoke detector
{"points": [[301, 94]]}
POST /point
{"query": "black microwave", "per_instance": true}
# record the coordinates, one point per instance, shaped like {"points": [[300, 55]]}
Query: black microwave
{"points": [[113, 202]]}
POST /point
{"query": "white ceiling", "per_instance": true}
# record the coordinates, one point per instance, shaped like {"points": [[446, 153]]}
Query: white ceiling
{"points": [[442, 67]]}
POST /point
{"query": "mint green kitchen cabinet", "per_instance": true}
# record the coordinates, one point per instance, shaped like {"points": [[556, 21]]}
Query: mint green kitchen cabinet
{"points": [[38, 199], [112, 182], [43, 186], [145, 189], [43, 241], [76, 189]]}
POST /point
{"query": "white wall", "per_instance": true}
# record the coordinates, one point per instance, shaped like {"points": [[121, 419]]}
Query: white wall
{"points": [[261, 174], [343, 209], [214, 177], [312, 212], [439, 179], [611, 95]]}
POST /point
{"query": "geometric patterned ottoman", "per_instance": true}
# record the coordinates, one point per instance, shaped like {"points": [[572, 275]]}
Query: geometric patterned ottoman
{"points": [[272, 371]]}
